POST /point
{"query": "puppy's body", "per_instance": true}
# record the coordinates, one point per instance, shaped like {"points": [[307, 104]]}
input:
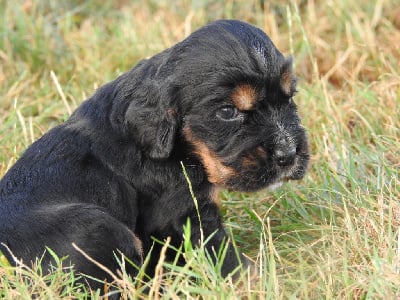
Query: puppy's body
{"points": [[110, 177]]}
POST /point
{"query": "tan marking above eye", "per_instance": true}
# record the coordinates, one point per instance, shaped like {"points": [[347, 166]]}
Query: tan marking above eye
{"points": [[287, 83], [288, 79], [244, 97], [217, 172]]}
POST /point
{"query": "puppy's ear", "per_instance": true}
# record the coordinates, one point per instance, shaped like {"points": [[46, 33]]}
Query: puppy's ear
{"points": [[152, 122]]}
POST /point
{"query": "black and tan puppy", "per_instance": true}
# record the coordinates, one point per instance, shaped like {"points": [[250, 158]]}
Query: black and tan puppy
{"points": [[110, 178]]}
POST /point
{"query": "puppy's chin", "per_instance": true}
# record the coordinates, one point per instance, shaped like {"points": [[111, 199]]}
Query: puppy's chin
{"points": [[274, 186], [283, 179]]}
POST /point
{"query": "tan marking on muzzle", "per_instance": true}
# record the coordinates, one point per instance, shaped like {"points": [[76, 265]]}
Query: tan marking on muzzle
{"points": [[249, 161], [261, 153], [288, 79], [253, 159]]}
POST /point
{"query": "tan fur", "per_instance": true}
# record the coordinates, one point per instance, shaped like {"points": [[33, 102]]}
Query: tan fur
{"points": [[249, 162], [288, 80], [252, 160], [138, 245], [217, 172], [261, 153], [244, 97], [214, 195]]}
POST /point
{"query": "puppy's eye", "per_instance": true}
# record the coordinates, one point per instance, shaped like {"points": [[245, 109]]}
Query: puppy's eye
{"points": [[228, 113]]}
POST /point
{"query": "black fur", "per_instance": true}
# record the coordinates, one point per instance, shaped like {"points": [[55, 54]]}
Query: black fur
{"points": [[111, 174]]}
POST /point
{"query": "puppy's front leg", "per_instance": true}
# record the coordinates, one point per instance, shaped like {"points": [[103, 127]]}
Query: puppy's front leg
{"points": [[216, 237]]}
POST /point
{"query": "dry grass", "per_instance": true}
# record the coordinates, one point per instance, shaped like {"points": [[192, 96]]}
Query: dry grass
{"points": [[335, 235]]}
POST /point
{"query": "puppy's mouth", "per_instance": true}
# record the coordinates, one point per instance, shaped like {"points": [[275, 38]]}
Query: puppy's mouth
{"points": [[287, 176], [275, 186], [264, 179], [284, 174], [248, 171], [293, 172]]}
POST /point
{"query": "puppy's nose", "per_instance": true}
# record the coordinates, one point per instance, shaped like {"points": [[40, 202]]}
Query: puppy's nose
{"points": [[285, 156]]}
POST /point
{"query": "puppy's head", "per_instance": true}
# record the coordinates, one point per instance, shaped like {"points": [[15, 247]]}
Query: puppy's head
{"points": [[233, 107]]}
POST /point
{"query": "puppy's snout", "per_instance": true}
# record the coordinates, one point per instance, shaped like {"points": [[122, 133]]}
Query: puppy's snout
{"points": [[284, 156], [284, 150]]}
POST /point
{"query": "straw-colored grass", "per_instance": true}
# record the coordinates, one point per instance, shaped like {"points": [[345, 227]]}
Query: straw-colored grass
{"points": [[334, 235]]}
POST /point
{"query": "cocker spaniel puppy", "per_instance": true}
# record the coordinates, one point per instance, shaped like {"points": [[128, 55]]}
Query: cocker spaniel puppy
{"points": [[110, 178]]}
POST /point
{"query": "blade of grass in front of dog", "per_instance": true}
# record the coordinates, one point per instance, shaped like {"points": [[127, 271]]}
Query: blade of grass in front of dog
{"points": [[195, 202], [26, 282], [348, 98]]}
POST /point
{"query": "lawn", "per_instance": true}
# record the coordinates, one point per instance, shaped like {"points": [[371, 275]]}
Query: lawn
{"points": [[333, 235]]}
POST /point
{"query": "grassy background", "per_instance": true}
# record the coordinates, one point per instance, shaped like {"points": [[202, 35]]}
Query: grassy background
{"points": [[333, 235]]}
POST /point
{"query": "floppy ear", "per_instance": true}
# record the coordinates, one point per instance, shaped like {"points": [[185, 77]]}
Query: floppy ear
{"points": [[152, 121]]}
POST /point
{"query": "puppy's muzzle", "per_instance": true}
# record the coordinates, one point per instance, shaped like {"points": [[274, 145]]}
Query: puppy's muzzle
{"points": [[284, 152], [285, 156]]}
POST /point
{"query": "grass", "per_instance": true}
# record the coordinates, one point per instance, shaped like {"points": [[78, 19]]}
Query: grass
{"points": [[334, 235]]}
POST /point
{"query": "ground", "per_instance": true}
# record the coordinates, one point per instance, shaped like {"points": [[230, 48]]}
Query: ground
{"points": [[333, 235]]}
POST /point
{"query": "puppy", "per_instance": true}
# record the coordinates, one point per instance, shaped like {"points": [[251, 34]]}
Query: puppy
{"points": [[110, 178]]}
